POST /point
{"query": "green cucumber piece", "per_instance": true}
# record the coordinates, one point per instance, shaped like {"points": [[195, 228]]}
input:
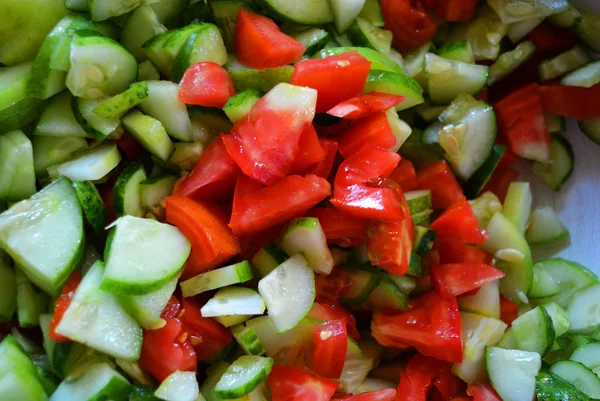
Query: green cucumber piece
{"points": [[485, 206], [248, 340], [418, 200], [570, 18], [513, 372], [517, 204], [518, 30], [48, 150], [101, 10], [18, 173], [363, 282], [243, 376], [582, 310], [97, 127], [534, 331], [99, 67], [205, 45], [154, 190], [580, 377], [428, 112], [20, 114], [13, 84], [485, 303], [277, 344], [225, 14], [508, 62], [558, 170], [96, 319], [8, 287], [147, 72], [387, 295], [218, 278], [234, 300], [545, 226], [305, 236], [397, 84], [482, 175], [163, 104], [179, 386], [150, 133], [560, 319], [511, 12], [163, 49], [168, 10], [379, 62], [484, 33], [77, 5], [363, 34], [591, 129], [414, 61], [141, 26], [400, 129], [459, 51], [543, 284], [345, 13], [313, 39], [44, 235], [232, 320], [586, 76], [92, 164], [91, 203], [554, 123], [307, 12], [550, 387], [289, 292], [263, 80], [117, 106], [58, 119], [267, 259], [143, 256], [126, 196], [563, 63], [98, 381], [588, 355], [241, 103], [569, 276], [31, 302], [146, 309], [371, 12]]}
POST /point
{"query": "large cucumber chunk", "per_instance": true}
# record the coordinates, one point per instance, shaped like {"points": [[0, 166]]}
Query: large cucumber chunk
{"points": [[98, 381], [513, 372], [44, 234]]}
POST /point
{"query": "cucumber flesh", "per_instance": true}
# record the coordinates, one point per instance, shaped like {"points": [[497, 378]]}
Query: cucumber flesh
{"points": [[563, 63], [146, 309], [396, 84], [234, 301], [543, 284], [150, 133], [591, 129], [248, 340], [204, 45], [240, 104], [18, 175], [518, 30], [305, 236], [90, 165], [179, 386], [163, 104], [49, 150], [560, 319], [91, 203], [97, 127], [243, 376], [586, 76], [561, 164], [97, 381], [58, 119], [218, 278], [511, 12], [379, 62], [549, 386], [588, 355], [363, 34], [582, 310], [126, 196], [545, 226], [459, 51], [512, 373], [263, 80], [578, 376], [118, 105], [485, 303], [534, 331], [569, 276], [142, 25], [101, 10], [154, 190], [307, 12], [31, 302], [345, 13], [517, 204], [267, 259], [314, 40], [508, 62]]}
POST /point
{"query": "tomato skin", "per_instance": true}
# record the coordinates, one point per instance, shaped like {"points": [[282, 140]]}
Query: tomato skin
{"points": [[310, 151], [418, 378], [339, 227], [500, 180], [365, 105], [432, 325], [571, 101], [552, 40], [213, 177], [349, 72], [130, 146], [204, 225], [331, 342], [323, 168], [386, 394], [449, 386], [438, 177], [374, 130], [256, 208], [482, 392], [509, 310], [288, 383], [457, 10], [411, 25], [455, 279], [459, 221], [62, 304], [206, 84], [354, 196], [260, 44], [454, 250], [405, 175]]}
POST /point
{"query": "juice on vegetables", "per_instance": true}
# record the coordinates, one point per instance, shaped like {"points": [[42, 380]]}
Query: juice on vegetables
{"points": [[293, 200]]}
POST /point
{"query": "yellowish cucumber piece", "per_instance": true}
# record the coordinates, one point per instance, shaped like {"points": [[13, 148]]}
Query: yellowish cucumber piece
{"points": [[31, 302], [508, 62], [92, 164], [17, 180], [163, 104], [545, 226], [518, 30], [511, 12], [586, 76], [150, 133], [517, 204], [305, 235], [143, 256], [234, 300], [484, 33], [560, 166], [146, 309], [239, 105], [218, 278], [8, 286], [563, 63], [48, 150], [58, 119], [485, 303], [179, 386], [263, 80], [512, 373], [243, 376], [142, 25], [91, 203]]}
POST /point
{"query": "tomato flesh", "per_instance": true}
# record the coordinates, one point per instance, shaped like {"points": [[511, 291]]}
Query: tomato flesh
{"points": [[62, 304], [206, 84]]}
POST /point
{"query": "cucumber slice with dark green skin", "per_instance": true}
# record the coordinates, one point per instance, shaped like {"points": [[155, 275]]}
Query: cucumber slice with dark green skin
{"points": [[97, 127], [141, 26], [563, 63], [205, 45], [397, 84], [580, 377], [146, 309], [154, 190], [263, 80], [36, 224], [379, 62], [91, 203], [225, 14], [387, 295], [587, 31], [591, 129], [20, 114], [364, 280], [559, 169], [142, 393], [508, 62], [419, 153], [16, 109], [99, 381], [179, 386], [313, 40], [545, 226], [371, 12], [118, 105], [58, 118], [482, 175], [17, 180], [163, 104], [459, 51], [150, 133], [418, 201], [581, 310], [512, 373], [248, 340], [8, 286], [543, 283], [241, 103], [569, 276], [20, 378], [550, 387], [305, 235], [307, 12], [363, 34], [243, 376], [534, 331], [154, 50], [31, 302], [92, 164], [101, 10], [588, 355], [126, 198], [267, 259]]}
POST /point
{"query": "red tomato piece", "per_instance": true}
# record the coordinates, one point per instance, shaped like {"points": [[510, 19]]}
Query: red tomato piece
{"points": [[405, 175], [172, 309], [260, 44], [288, 383], [323, 169], [130, 146], [454, 250], [418, 378], [521, 120], [509, 310], [432, 325], [336, 78], [265, 143], [62, 304], [500, 180], [339, 227], [206, 335], [389, 243], [457, 10], [214, 176], [454, 279], [166, 350], [482, 392], [448, 384], [386, 394], [373, 130], [411, 25], [256, 208], [571, 101], [552, 40], [326, 309], [331, 342], [206, 84], [204, 225], [365, 105], [311, 152], [459, 221], [438, 178], [355, 190]]}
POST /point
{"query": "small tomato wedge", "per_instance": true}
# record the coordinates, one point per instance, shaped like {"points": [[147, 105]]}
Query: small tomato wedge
{"points": [[500, 180], [456, 10], [365, 105], [405, 175], [323, 168], [260, 44], [373, 130], [571, 101], [339, 227], [204, 225], [448, 384], [288, 383], [437, 177], [454, 250], [256, 208], [336, 78], [355, 185], [432, 325], [331, 342], [482, 392], [418, 377], [386, 394], [459, 221], [265, 143], [206, 84], [62, 304], [311, 152], [509, 310], [551, 40], [454, 279], [411, 25], [213, 177]]}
